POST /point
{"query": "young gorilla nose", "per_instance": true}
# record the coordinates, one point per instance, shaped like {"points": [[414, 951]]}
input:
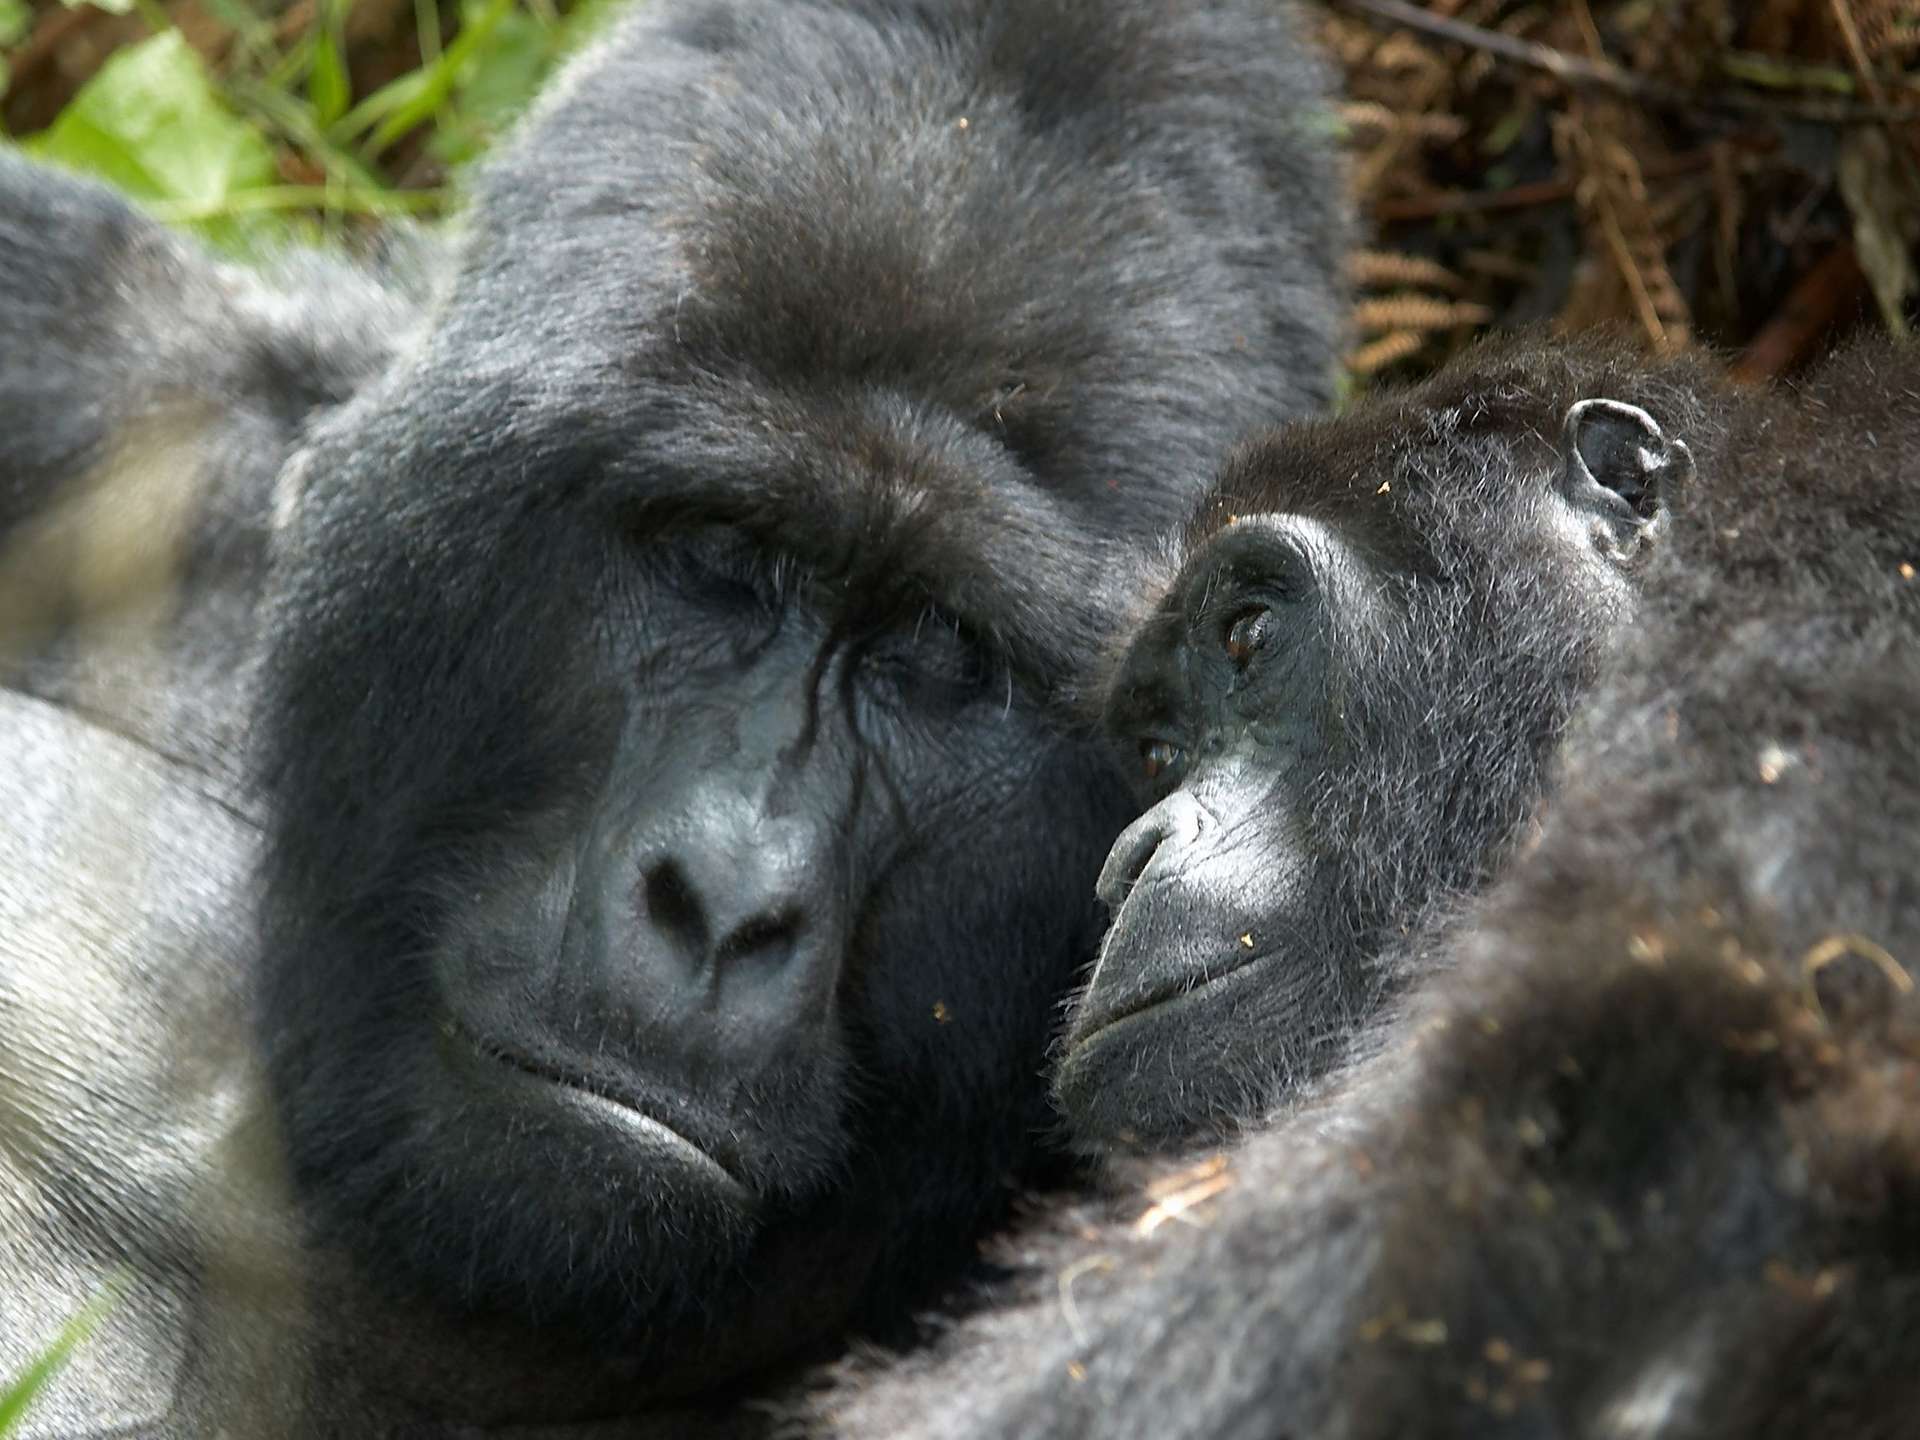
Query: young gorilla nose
{"points": [[1180, 888], [1163, 834]]}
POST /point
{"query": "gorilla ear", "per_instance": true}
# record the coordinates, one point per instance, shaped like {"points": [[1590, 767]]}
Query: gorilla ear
{"points": [[1619, 467]]}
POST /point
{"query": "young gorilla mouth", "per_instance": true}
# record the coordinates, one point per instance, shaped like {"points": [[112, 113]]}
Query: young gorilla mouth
{"points": [[1101, 1016], [598, 1102]]}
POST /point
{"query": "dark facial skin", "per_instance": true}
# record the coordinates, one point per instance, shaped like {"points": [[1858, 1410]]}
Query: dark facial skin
{"points": [[1340, 712]]}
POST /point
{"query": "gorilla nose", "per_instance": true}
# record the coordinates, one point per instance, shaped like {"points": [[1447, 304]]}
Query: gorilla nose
{"points": [[1175, 822], [720, 922], [736, 890]]}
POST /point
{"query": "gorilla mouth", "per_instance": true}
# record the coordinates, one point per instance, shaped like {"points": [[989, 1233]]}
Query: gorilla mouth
{"points": [[605, 1106], [1136, 1007]]}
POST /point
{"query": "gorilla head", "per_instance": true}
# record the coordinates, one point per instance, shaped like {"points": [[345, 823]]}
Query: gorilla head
{"points": [[674, 861], [1341, 708]]}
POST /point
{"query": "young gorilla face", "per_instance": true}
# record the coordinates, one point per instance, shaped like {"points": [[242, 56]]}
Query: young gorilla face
{"points": [[1341, 709]]}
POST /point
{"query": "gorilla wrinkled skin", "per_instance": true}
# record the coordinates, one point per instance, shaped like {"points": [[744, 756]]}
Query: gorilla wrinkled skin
{"points": [[639, 632]]}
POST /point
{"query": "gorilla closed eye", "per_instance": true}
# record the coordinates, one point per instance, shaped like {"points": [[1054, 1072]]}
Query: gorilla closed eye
{"points": [[719, 559], [937, 651]]}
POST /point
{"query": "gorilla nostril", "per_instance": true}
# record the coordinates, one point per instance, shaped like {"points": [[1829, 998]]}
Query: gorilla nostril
{"points": [[1128, 860], [1177, 821], [675, 909], [769, 939]]}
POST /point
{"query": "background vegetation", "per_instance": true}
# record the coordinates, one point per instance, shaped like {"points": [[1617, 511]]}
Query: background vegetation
{"points": [[1740, 172], [252, 121]]}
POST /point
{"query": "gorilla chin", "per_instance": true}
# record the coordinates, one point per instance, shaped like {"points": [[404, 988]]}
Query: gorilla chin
{"points": [[1122, 1075]]}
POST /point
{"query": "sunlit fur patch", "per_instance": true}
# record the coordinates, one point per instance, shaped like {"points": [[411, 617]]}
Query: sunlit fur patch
{"points": [[112, 545]]}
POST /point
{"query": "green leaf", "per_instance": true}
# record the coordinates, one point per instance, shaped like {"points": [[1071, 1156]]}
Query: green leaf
{"points": [[327, 84], [150, 122], [394, 110], [497, 80], [397, 94], [15, 1396], [14, 20]]}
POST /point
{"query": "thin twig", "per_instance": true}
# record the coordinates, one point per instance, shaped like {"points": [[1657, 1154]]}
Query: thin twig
{"points": [[1857, 52], [1576, 73], [1870, 82], [1629, 270], [1522, 197]]}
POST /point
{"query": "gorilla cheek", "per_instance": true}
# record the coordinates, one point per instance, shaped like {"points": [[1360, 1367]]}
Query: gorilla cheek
{"points": [[967, 1001]]}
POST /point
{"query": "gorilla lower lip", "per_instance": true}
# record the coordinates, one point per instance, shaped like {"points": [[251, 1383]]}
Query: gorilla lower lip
{"points": [[649, 1131], [1157, 1001], [652, 1135]]}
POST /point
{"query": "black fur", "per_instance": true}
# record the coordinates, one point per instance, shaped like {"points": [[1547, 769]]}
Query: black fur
{"points": [[667, 616], [1430, 601], [1639, 1157]]}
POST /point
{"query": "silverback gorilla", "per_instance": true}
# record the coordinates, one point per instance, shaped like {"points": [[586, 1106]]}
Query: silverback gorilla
{"points": [[643, 627], [1343, 710], [1639, 1153]]}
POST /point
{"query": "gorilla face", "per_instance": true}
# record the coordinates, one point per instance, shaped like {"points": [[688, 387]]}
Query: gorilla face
{"points": [[1340, 711], [764, 726], [707, 858]]}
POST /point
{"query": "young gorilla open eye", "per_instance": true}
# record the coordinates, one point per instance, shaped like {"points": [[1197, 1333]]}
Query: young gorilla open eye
{"points": [[1157, 757], [1247, 633]]}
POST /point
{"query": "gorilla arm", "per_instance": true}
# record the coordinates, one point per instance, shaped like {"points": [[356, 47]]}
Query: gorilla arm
{"points": [[148, 399], [125, 1157], [149, 396]]}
